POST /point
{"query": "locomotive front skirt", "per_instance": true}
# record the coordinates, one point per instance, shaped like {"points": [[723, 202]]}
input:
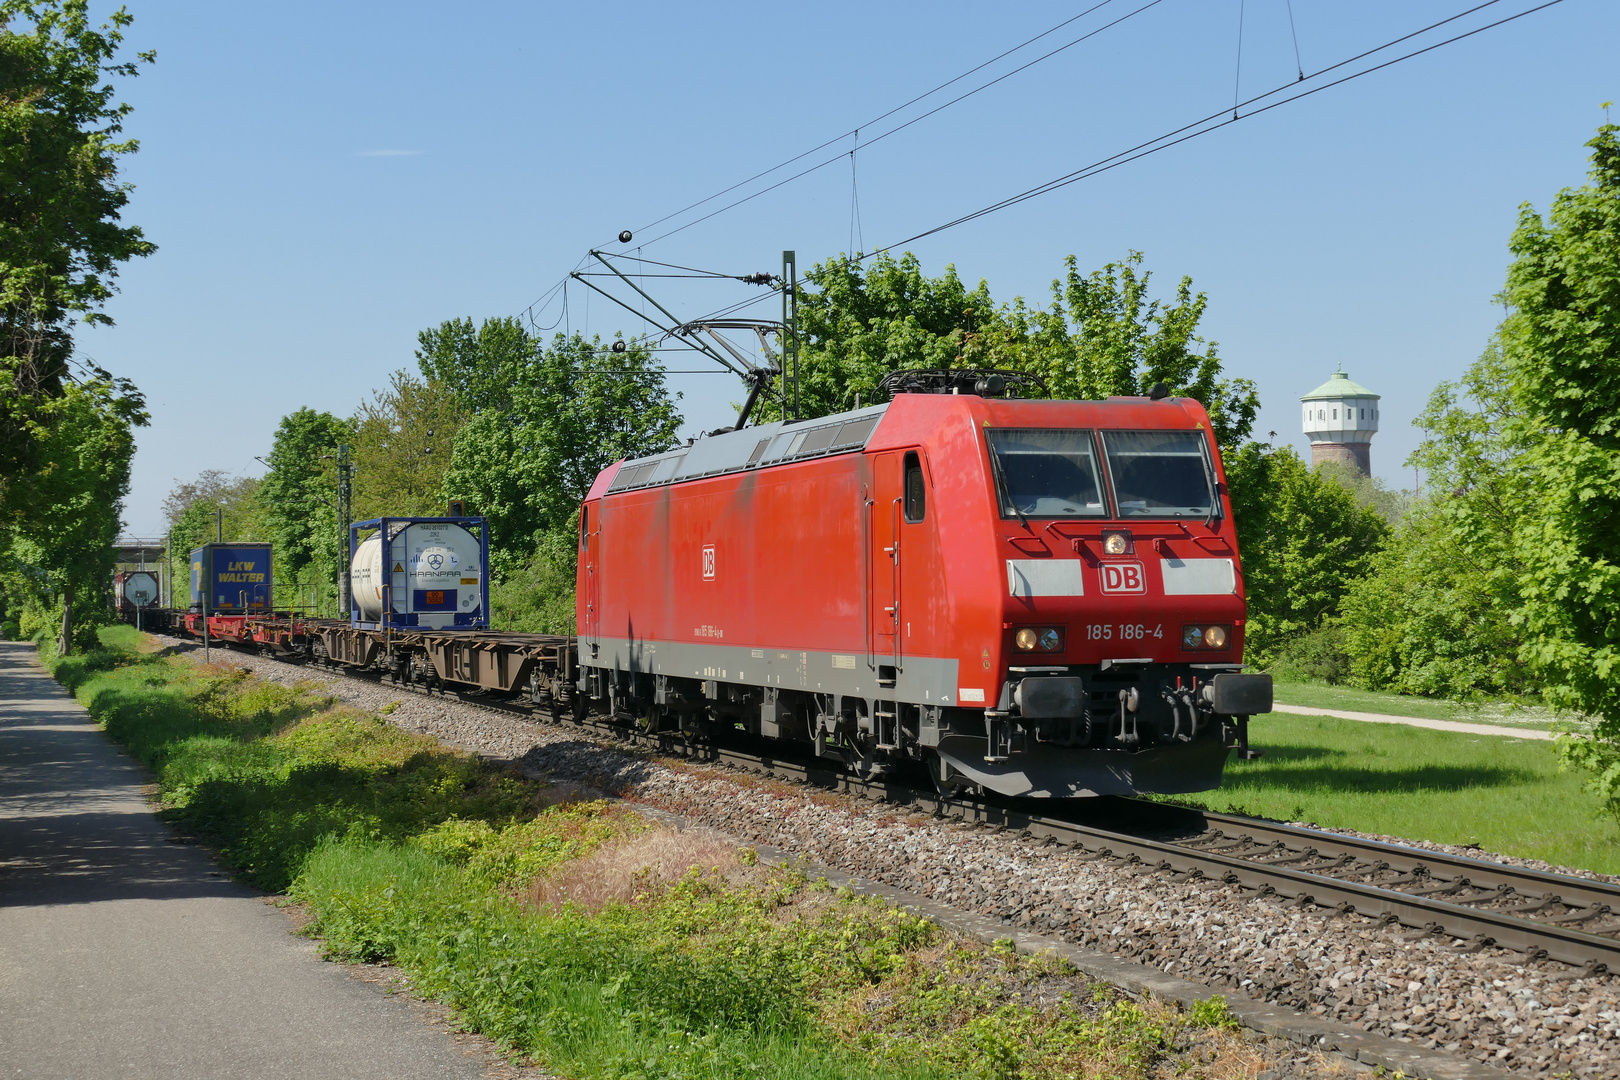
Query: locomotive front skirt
{"points": [[1039, 598]]}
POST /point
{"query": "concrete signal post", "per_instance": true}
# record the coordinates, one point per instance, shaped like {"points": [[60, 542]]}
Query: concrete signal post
{"points": [[1340, 418]]}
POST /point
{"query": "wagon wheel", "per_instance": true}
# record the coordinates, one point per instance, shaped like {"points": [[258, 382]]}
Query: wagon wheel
{"points": [[555, 706], [650, 720]]}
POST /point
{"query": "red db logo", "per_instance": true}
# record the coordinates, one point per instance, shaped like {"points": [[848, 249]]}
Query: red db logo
{"points": [[1122, 577], [708, 562]]}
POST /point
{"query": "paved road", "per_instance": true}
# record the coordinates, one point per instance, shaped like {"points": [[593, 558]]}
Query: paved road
{"points": [[125, 955], [1422, 722]]}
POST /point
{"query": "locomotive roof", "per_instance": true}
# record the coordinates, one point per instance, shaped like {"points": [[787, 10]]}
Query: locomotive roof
{"points": [[752, 448], [841, 433]]}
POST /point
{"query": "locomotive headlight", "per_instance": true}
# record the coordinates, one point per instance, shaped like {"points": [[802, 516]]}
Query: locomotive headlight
{"points": [[1025, 640], [1116, 543], [1051, 640], [1205, 637]]}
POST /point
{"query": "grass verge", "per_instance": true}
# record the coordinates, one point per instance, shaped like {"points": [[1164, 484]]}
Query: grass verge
{"points": [[585, 938], [1504, 794]]}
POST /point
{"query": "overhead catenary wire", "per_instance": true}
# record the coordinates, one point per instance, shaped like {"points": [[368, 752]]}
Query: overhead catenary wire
{"points": [[894, 130], [875, 120], [1217, 120], [1299, 65]]}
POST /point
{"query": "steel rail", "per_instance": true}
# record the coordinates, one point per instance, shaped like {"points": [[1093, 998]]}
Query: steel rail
{"points": [[1526, 882], [1428, 916]]}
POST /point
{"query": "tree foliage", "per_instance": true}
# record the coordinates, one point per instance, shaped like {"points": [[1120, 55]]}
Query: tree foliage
{"points": [[65, 442], [1437, 614], [61, 237], [1304, 542], [403, 441], [569, 412], [1100, 336], [300, 492], [1561, 341], [857, 325], [65, 512]]}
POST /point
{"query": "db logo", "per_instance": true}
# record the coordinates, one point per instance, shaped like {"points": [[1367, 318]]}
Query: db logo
{"points": [[708, 562], [1122, 577]]}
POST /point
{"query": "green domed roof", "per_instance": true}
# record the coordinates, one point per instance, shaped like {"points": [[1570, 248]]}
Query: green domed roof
{"points": [[1339, 386]]}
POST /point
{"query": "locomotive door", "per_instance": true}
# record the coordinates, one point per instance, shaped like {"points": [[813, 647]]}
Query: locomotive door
{"points": [[884, 565], [589, 555]]}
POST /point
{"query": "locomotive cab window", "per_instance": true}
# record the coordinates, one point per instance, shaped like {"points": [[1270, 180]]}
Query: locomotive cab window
{"points": [[916, 490], [1159, 473], [1042, 472], [584, 524]]}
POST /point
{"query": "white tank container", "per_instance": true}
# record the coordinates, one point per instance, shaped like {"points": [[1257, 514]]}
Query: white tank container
{"points": [[430, 570]]}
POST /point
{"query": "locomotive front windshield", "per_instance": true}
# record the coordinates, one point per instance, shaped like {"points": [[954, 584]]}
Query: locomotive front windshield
{"points": [[1054, 473], [1046, 473], [1159, 473]]}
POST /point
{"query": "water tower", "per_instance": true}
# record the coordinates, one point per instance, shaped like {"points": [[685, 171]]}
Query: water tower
{"points": [[1341, 417]]}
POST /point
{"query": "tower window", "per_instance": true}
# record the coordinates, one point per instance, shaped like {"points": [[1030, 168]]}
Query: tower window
{"points": [[1335, 414]]}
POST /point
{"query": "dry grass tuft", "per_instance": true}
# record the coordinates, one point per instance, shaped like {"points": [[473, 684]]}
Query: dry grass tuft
{"points": [[643, 864]]}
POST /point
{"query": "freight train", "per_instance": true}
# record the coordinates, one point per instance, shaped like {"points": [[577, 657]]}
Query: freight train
{"points": [[1035, 598]]}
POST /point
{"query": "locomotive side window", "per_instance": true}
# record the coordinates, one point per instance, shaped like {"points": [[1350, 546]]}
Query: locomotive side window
{"points": [[1159, 473], [584, 524], [916, 490], [1045, 472]]}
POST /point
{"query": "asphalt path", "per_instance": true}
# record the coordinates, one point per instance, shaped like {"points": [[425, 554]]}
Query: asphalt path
{"points": [[126, 954], [1459, 726]]}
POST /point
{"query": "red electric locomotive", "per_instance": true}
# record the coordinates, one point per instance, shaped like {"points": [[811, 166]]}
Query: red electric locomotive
{"points": [[1038, 598]]}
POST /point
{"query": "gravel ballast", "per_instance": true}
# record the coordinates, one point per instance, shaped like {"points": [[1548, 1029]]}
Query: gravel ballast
{"points": [[1490, 1006]]}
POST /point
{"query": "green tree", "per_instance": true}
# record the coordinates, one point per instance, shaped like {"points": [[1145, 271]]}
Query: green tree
{"points": [[299, 495], [475, 363], [1438, 613], [856, 326], [1101, 336], [61, 237], [1561, 340], [1304, 543], [403, 441], [571, 412], [59, 543]]}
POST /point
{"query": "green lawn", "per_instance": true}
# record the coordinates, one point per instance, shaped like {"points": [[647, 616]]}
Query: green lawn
{"points": [[1504, 794]]}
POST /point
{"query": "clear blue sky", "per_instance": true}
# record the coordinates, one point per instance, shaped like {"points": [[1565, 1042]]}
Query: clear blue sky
{"points": [[325, 180]]}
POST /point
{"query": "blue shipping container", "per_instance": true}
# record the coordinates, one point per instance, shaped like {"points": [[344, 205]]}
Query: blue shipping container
{"points": [[231, 579]]}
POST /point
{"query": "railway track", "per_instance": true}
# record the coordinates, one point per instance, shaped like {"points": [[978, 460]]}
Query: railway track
{"points": [[1471, 903]]}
